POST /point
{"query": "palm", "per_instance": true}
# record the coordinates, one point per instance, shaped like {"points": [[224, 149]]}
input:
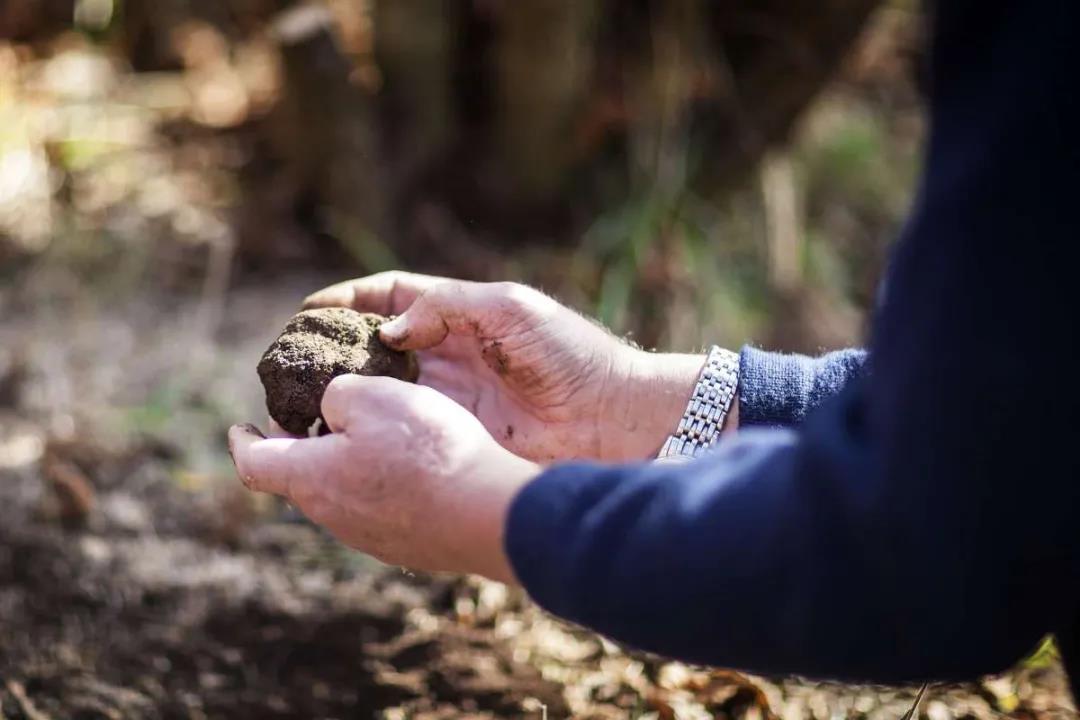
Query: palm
{"points": [[526, 418]]}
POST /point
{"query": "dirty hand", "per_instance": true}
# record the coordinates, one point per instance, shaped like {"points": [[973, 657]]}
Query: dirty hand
{"points": [[545, 382], [407, 476]]}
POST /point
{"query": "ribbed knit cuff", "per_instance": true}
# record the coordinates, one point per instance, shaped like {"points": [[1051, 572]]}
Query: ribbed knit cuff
{"points": [[772, 388], [777, 390]]}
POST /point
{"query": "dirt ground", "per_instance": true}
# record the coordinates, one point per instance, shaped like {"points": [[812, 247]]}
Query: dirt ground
{"points": [[138, 599], [150, 610], [138, 580]]}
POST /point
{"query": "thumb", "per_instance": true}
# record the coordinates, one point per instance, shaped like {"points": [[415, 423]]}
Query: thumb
{"points": [[278, 465], [453, 307]]}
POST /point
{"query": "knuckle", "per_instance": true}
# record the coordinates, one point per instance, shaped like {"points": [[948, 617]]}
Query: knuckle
{"points": [[448, 291], [518, 297], [380, 282], [386, 276], [441, 303], [513, 291]]}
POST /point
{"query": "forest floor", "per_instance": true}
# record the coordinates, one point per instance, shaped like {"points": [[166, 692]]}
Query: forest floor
{"points": [[139, 580], [142, 599]]}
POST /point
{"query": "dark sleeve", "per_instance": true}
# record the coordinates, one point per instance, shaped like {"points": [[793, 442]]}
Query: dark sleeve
{"points": [[922, 523], [778, 390]]}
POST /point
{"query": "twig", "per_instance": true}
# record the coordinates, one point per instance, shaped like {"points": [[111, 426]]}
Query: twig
{"points": [[25, 703], [915, 706]]}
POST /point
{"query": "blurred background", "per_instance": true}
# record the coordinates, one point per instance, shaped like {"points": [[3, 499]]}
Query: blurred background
{"points": [[175, 175]]}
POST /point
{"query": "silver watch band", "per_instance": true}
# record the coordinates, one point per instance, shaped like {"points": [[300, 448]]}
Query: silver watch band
{"points": [[700, 425]]}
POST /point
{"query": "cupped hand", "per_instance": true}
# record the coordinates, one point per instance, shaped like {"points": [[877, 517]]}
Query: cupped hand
{"points": [[545, 382], [407, 476]]}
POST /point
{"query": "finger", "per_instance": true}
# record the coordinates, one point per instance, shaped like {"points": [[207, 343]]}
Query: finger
{"points": [[452, 307], [351, 397], [279, 466], [387, 293]]}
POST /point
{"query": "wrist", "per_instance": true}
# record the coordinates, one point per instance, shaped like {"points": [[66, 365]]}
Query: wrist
{"points": [[503, 478], [647, 399], [644, 402]]}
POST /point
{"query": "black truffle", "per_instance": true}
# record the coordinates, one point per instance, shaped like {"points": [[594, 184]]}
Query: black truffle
{"points": [[317, 346]]}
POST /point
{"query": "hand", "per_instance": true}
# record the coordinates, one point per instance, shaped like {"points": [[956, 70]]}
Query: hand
{"points": [[407, 476], [545, 382]]}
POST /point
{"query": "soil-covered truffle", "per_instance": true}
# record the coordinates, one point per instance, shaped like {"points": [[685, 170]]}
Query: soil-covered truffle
{"points": [[317, 346]]}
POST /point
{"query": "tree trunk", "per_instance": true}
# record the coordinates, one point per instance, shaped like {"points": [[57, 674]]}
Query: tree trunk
{"points": [[414, 50], [544, 67], [324, 128], [24, 20]]}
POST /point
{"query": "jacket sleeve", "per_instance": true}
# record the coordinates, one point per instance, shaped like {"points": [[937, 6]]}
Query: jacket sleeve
{"points": [[921, 523], [778, 390]]}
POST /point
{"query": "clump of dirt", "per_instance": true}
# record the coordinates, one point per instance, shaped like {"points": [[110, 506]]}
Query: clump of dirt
{"points": [[317, 346]]}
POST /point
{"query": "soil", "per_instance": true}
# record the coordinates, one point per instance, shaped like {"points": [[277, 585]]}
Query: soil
{"points": [[317, 346], [165, 606], [170, 600], [138, 579]]}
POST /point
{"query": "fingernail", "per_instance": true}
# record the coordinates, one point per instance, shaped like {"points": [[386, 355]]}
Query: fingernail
{"points": [[245, 433], [249, 427], [394, 331], [313, 300], [327, 297]]}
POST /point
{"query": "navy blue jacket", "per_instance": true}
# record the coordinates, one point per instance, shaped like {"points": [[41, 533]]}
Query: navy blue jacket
{"points": [[917, 516]]}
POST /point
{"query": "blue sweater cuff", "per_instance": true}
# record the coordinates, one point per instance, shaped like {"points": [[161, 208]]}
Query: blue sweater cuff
{"points": [[778, 390]]}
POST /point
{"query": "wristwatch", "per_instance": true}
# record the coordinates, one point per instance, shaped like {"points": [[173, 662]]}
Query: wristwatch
{"points": [[700, 426]]}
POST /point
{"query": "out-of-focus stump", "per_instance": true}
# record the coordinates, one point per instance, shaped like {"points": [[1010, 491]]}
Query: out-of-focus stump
{"points": [[559, 106], [543, 57], [23, 20], [324, 128], [415, 53]]}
